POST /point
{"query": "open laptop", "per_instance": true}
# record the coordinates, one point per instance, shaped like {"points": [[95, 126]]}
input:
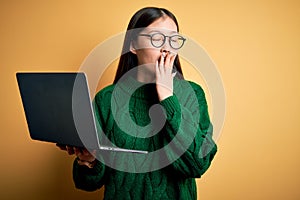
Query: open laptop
{"points": [[58, 109]]}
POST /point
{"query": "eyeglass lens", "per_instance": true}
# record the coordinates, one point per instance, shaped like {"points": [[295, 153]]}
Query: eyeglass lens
{"points": [[175, 41]]}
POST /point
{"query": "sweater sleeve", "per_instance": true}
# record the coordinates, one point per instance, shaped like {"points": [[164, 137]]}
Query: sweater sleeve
{"points": [[88, 179], [84, 177], [189, 134]]}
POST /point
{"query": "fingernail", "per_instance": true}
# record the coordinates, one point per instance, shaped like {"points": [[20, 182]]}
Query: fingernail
{"points": [[174, 74]]}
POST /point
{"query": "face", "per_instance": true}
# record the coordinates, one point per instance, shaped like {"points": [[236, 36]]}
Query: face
{"points": [[146, 53]]}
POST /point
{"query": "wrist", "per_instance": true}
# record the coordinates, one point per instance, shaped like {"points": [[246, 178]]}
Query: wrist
{"points": [[163, 95]]}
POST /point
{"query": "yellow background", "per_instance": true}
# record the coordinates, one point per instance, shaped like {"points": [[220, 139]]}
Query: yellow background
{"points": [[255, 44]]}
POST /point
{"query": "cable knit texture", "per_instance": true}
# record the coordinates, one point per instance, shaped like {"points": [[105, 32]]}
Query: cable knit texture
{"points": [[185, 138]]}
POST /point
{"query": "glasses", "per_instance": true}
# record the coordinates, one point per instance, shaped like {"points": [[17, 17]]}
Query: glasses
{"points": [[159, 39]]}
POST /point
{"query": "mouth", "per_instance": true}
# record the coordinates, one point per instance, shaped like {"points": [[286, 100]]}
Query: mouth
{"points": [[165, 53]]}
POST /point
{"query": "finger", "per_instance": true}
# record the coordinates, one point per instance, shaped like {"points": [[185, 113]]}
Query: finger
{"points": [[157, 72], [174, 74], [172, 59], [85, 152], [172, 63], [61, 147], [161, 63], [168, 63], [70, 150], [87, 155], [86, 163], [94, 152], [77, 151]]}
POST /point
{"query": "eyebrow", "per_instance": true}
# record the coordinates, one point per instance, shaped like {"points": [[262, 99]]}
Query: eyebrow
{"points": [[159, 31]]}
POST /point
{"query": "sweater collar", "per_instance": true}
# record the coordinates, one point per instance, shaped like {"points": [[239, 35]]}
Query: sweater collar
{"points": [[138, 89]]}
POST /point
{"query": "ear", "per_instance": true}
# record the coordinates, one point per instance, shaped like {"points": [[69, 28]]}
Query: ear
{"points": [[132, 48]]}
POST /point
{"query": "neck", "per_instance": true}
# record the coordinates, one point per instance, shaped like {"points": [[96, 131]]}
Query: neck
{"points": [[145, 74]]}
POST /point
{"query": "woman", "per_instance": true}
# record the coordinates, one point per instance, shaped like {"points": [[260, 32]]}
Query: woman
{"points": [[150, 60]]}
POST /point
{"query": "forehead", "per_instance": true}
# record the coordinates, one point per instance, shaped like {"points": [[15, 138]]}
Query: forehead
{"points": [[163, 24]]}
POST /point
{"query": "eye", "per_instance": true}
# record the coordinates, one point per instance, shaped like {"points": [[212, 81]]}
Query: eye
{"points": [[157, 37], [174, 39]]}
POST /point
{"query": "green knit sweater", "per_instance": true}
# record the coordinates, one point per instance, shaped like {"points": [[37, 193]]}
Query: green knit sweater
{"points": [[169, 174]]}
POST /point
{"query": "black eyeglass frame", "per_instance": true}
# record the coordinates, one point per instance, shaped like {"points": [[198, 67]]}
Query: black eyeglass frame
{"points": [[164, 41]]}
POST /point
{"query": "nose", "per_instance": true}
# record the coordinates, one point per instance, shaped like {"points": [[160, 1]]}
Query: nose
{"points": [[166, 46], [164, 50]]}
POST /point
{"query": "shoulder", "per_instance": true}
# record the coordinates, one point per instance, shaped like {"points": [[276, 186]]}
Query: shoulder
{"points": [[105, 91], [104, 95]]}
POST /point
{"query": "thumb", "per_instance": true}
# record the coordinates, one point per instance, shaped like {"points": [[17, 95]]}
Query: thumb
{"points": [[174, 74]]}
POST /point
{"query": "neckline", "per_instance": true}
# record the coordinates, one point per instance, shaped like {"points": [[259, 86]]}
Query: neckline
{"points": [[138, 89]]}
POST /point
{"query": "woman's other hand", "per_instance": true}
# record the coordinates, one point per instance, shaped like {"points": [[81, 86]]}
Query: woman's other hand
{"points": [[84, 157]]}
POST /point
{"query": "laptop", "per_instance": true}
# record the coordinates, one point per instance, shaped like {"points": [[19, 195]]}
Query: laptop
{"points": [[58, 109]]}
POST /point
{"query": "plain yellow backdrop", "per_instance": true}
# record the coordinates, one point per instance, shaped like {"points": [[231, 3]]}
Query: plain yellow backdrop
{"points": [[255, 44]]}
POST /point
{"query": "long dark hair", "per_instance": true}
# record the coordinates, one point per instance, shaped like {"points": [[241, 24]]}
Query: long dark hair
{"points": [[141, 19]]}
